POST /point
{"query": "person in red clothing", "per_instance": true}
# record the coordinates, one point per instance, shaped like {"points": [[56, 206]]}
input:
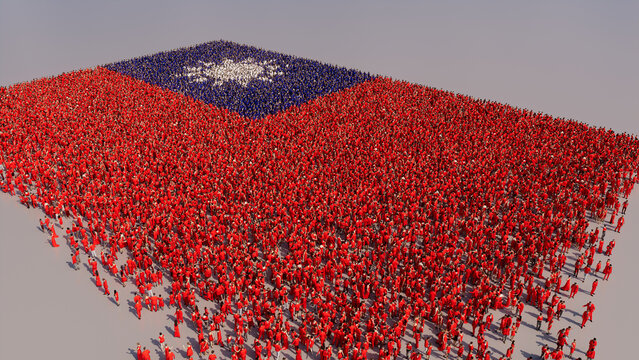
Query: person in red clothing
{"points": [[204, 347], [619, 224], [561, 338], [75, 261], [592, 344], [170, 355], [220, 340], [574, 289], [550, 322], [179, 316], [138, 309], [584, 318], [561, 306], [511, 349], [146, 354], [176, 329], [506, 329], [607, 270], [540, 318], [610, 247], [545, 352], [123, 277], [550, 313], [94, 266], [54, 236], [161, 339], [442, 340], [566, 286], [116, 296], [590, 308], [594, 287], [106, 287]]}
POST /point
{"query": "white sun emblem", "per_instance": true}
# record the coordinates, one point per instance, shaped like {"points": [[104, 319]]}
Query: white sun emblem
{"points": [[241, 72]]}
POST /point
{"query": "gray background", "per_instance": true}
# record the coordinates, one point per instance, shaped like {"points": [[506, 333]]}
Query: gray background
{"points": [[576, 59]]}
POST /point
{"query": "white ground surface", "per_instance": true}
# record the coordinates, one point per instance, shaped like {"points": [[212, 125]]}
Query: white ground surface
{"points": [[50, 311]]}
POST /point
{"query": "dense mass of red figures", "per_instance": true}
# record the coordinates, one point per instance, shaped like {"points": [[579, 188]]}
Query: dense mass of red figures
{"points": [[349, 221]]}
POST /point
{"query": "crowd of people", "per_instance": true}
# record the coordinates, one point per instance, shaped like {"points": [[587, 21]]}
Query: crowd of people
{"points": [[339, 227], [205, 72]]}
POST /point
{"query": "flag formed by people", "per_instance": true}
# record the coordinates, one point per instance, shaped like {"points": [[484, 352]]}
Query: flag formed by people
{"points": [[267, 184], [244, 79]]}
